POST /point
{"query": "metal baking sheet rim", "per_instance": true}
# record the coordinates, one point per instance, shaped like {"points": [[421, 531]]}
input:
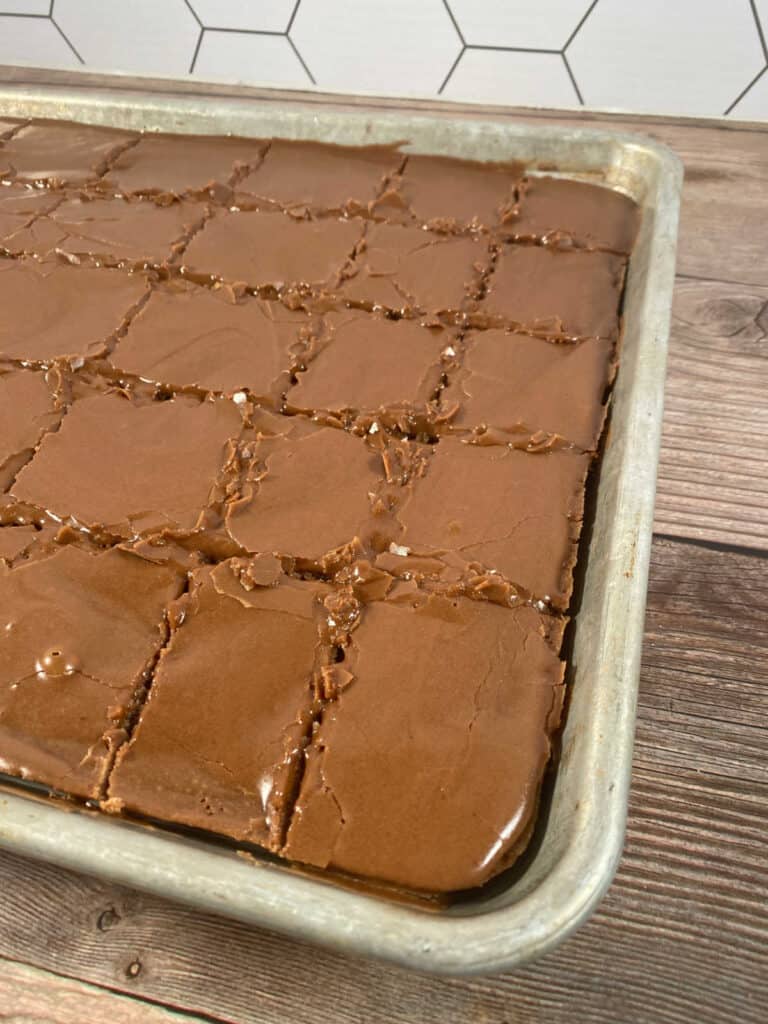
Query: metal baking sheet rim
{"points": [[581, 842]]}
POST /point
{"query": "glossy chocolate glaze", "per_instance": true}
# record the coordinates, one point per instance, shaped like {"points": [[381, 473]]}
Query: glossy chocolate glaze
{"points": [[273, 251], [307, 493], [169, 166], [122, 468], [55, 155], [310, 177], [293, 447], [81, 632], [9, 126], [555, 292], [29, 406], [450, 195], [109, 232], [20, 205], [52, 310], [215, 340], [233, 698], [523, 384], [410, 271], [572, 213], [370, 363], [447, 723], [454, 508]]}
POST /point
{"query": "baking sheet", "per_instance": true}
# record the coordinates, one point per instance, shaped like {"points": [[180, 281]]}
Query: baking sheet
{"points": [[579, 839]]}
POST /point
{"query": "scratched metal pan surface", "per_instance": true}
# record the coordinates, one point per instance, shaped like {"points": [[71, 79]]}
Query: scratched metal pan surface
{"points": [[580, 834]]}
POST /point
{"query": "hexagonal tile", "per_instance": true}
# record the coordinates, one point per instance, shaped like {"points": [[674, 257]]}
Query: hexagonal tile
{"points": [[545, 25], [250, 59], [396, 47], [678, 58], [514, 79], [754, 106], [34, 41], [141, 36], [25, 7], [243, 14]]}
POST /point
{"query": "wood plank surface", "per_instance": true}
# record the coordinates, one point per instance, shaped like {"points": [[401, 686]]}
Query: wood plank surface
{"points": [[724, 227], [713, 478], [31, 996], [682, 936]]}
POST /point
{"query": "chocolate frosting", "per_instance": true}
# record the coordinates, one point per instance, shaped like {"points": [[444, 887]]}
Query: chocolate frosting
{"points": [[81, 632], [54, 154], [19, 206], [166, 166], [191, 336], [408, 270], [576, 213], [309, 491], [293, 446], [516, 513], [530, 385], [111, 232], [9, 125], [544, 289], [219, 741], [15, 540], [303, 177], [124, 468], [369, 363], [28, 407], [273, 251], [52, 310], [424, 772], [448, 194]]}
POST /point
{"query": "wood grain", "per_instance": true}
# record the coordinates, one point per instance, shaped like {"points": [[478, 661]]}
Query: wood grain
{"points": [[723, 222], [713, 478], [31, 996], [680, 937]]}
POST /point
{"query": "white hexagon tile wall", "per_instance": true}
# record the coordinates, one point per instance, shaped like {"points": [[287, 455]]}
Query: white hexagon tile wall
{"points": [[692, 57]]}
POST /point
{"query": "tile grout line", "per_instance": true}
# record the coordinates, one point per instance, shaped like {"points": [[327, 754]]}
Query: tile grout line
{"points": [[292, 18], [451, 70], [61, 32], [745, 91], [572, 78], [579, 26], [759, 27], [301, 60], [193, 12], [196, 52]]}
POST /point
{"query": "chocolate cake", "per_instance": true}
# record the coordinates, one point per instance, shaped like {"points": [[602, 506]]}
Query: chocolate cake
{"points": [[294, 441]]}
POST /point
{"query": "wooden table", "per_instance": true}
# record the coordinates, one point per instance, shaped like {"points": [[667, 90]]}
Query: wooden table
{"points": [[683, 933]]}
